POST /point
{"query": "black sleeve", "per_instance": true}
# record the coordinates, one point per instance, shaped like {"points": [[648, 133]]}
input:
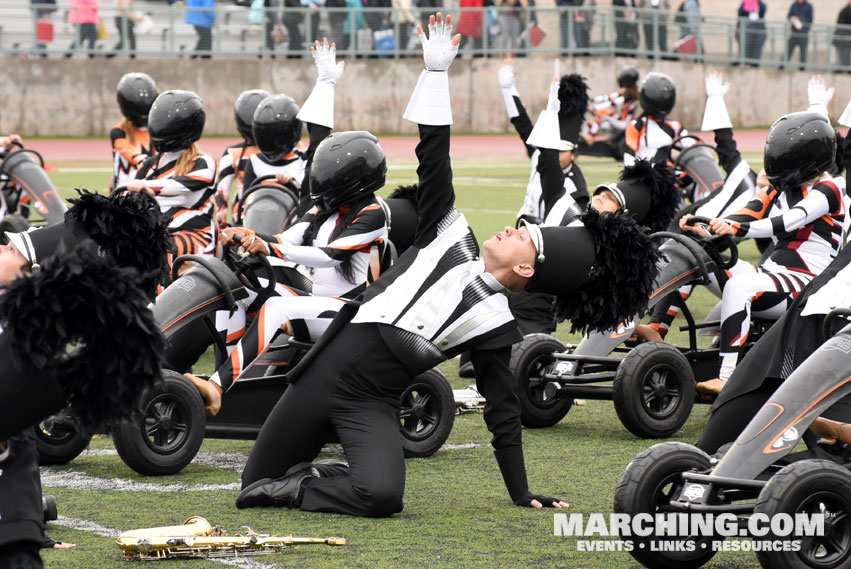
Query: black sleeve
{"points": [[248, 176], [317, 134], [502, 408], [580, 195], [845, 147], [728, 152], [145, 167], [552, 178], [523, 125], [435, 193]]}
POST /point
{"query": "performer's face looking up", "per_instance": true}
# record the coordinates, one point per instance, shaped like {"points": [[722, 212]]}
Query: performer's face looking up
{"points": [[510, 257], [12, 264], [604, 200]]}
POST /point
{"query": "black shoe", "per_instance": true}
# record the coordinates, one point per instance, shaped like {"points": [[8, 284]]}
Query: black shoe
{"points": [[466, 370], [277, 493]]}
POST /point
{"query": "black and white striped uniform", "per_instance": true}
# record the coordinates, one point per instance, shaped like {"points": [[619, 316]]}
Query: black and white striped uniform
{"points": [[186, 200], [232, 166]]}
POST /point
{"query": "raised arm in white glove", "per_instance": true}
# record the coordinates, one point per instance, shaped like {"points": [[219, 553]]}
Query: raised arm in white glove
{"points": [[715, 116], [319, 106], [506, 76], [819, 95], [429, 103], [546, 133]]}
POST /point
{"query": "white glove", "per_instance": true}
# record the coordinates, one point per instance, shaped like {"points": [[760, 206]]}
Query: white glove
{"points": [[817, 93], [325, 57], [553, 104], [715, 116], [845, 119], [319, 106], [438, 51], [430, 103], [715, 86], [506, 76]]}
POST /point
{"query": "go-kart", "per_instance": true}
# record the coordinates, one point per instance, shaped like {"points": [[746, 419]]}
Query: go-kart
{"points": [[653, 385], [165, 437], [22, 174], [696, 165], [757, 474]]}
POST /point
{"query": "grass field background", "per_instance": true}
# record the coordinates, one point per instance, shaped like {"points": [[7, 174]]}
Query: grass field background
{"points": [[457, 513]]}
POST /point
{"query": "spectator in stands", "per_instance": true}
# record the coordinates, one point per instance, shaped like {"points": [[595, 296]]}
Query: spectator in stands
{"points": [[688, 18], [41, 10], [626, 28], [292, 18], [404, 12], [429, 7], [654, 17], [124, 25], [842, 36], [582, 20], [470, 23], [201, 14], [83, 15], [311, 15], [510, 24], [375, 17], [751, 28], [800, 18], [354, 22]]}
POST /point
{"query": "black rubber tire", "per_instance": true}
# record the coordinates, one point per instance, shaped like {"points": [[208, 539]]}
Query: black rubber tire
{"points": [[59, 441], [427, 414], [166, 436], [653, 391], [529, 358], [646, 486], [810, 486]]}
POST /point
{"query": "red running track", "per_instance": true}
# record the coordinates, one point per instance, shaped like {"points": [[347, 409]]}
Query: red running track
{"points": [[397, 147]]}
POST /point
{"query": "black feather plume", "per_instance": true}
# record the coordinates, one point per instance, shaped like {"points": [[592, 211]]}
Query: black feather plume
{"points": [[664, 198], [130, 227], [85, 320], [573, 95], [404, 192], [621, 279]]}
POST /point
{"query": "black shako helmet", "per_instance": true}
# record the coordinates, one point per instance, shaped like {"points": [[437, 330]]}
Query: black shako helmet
{"points": [[799, 147], [346, 167], [657, 95], [136, 93], [243, 111], [275, 126], [176, 120], [627, 76]]}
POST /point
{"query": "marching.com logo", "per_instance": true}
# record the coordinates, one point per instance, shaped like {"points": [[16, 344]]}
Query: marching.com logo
{"points": [[688, 531]]}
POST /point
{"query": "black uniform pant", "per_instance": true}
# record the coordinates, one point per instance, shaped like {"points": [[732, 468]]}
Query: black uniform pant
{"points": [[353, 386], [22, 555]]}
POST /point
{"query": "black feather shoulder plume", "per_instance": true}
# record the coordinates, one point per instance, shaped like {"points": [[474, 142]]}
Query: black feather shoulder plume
{"points": [[84, 321], [573, 95], [659, 181], [621, 280], [130, 227], [404, 193]]}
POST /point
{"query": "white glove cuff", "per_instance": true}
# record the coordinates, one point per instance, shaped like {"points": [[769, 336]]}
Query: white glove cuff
{"points": [[715, 116], [845, 119], [319, 106], [510, 106], [430, 103], [821, 109], [546, 133]]}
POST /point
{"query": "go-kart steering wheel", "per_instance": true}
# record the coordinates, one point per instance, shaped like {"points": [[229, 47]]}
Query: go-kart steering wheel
{"points": [[258, 185], [719, 243], [245, 271]]}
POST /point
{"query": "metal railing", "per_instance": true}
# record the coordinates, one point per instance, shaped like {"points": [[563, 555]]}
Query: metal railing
{"points": [[159, 30]]}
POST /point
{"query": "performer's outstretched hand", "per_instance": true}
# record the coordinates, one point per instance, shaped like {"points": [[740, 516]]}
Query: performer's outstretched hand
{"points": [[530, 500], [438, 49], [506, 74], [325, 57], [817, 91], [715, 85], [553, 103]]}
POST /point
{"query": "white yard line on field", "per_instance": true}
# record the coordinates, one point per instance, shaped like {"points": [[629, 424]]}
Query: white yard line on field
{"points": [[79, 481], [100, 530]]}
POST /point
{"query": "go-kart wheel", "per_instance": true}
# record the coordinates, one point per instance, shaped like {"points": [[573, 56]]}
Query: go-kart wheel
{"points": [[427, 414], [165, 437], [529, 359], [647, 485], [653, 391], [58, 440], [809, 487]]}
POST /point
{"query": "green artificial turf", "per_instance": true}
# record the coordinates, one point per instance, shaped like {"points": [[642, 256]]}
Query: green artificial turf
{"points": [[457, 513]]}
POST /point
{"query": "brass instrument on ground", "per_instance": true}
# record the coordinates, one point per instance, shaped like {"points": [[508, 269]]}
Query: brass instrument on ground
{"points": [[197, 538]]}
